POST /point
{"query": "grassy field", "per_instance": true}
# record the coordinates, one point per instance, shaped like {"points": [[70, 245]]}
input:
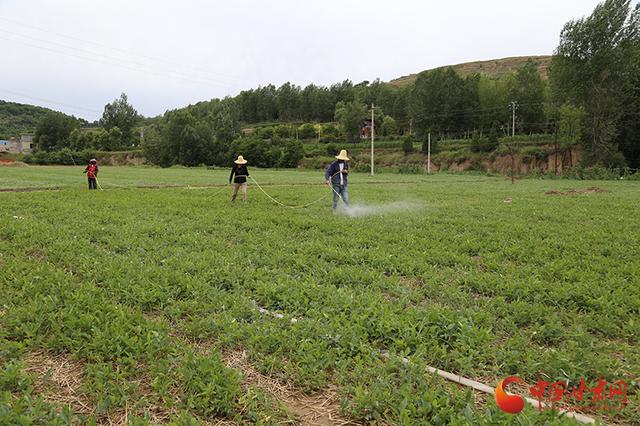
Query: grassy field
{"points": [[131, 177], [144, 305]]}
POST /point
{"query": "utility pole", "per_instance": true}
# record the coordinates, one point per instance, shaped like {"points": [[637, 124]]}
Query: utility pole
{"points": [[514, 106], [429, 154], [373, 126]]}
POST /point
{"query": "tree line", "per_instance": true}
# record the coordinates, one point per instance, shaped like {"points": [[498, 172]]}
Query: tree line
{"points": [[592, 98]]}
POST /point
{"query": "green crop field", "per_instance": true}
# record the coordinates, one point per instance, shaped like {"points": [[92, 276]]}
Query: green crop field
{"points": [[170, 305]]}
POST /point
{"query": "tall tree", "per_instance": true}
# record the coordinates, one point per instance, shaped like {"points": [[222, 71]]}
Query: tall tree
{"points": [[186, 140], [121, 114], [52, 132], [225, 120], [288, 100], [292, 154], [528, 90], [350, 115], [591, 68], [443, 102], [494, 97]]}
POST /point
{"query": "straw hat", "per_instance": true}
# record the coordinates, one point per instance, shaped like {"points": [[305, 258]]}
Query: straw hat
{"points": [[93, 160], [343, 155], [240, 160]]}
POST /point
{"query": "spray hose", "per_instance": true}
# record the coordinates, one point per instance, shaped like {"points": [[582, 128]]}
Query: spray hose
{"points": [[302, 206]]}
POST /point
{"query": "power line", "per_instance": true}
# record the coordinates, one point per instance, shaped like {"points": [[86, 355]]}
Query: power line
{"points": [[128, 52], [51, 102], [92, 54], [97, 59]]}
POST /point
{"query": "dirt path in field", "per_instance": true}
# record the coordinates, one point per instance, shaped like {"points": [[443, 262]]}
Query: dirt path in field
{"points": [[201, 187], [35, 189], [587, 191]]}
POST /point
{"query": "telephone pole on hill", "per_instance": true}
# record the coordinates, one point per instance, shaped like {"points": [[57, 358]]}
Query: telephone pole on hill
{"points": [[514, 106], [373, 125]]}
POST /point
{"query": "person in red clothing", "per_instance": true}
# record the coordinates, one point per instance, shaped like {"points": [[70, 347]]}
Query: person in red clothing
{"points": [[92, 173]]}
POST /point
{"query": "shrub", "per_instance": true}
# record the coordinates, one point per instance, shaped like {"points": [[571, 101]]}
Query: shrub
{"points": [[410, 169], [66, 157], [407, 145], [484, 144], [361, 167], [591, 173], [533, 152], [307, 131], [283, 131], [293, 153], [316, 163], [328, 139]]}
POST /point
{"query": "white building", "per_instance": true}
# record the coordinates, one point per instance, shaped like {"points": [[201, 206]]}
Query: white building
{"points": [[26, 143], [23, 144]]}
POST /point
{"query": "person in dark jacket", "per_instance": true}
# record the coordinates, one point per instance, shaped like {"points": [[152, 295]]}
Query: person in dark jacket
{"points": [[92, 173], [239, 170], [336, 176]]}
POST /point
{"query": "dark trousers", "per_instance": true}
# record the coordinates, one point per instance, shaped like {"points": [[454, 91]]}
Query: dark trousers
{"points": [[92, 183]]}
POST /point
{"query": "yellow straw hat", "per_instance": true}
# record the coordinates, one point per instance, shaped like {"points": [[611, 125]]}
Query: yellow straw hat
{"points": [[240, 160], [343, 155]]}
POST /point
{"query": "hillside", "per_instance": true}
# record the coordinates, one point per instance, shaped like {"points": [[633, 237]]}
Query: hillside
{"points": [[492, 68], [18, 119]]}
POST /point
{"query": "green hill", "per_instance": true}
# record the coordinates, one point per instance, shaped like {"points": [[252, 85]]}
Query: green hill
{"points": [[19, 119], [492, 68]]}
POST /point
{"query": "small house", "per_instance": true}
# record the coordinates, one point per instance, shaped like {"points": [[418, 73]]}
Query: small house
{"points": [[25, 143], [5, 146], [365, 128]]}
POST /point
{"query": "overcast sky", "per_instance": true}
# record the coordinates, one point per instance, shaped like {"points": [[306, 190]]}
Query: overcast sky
{"points": [[77, 55]]}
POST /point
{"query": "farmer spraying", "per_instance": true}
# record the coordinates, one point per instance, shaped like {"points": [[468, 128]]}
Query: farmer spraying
{"points": [[336, 176], [92, 173], [239, 170]]}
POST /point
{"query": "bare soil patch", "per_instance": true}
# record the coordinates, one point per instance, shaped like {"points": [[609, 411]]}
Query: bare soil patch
{"points": [[12, 163], [29, 189], [58, 379], [586, 191], [321, 409], [36, 254]]}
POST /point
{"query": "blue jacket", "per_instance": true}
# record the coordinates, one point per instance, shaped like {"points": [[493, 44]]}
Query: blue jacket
{"points": [[334, 170]]}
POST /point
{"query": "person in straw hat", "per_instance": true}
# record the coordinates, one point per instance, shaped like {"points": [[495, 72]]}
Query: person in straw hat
{"points": [[92, 173], [336, 176], [239, 170]]}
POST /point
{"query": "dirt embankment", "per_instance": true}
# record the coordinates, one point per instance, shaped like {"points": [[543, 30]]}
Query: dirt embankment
{"points": [[519, 164], [11, 162], [121, 159]]}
